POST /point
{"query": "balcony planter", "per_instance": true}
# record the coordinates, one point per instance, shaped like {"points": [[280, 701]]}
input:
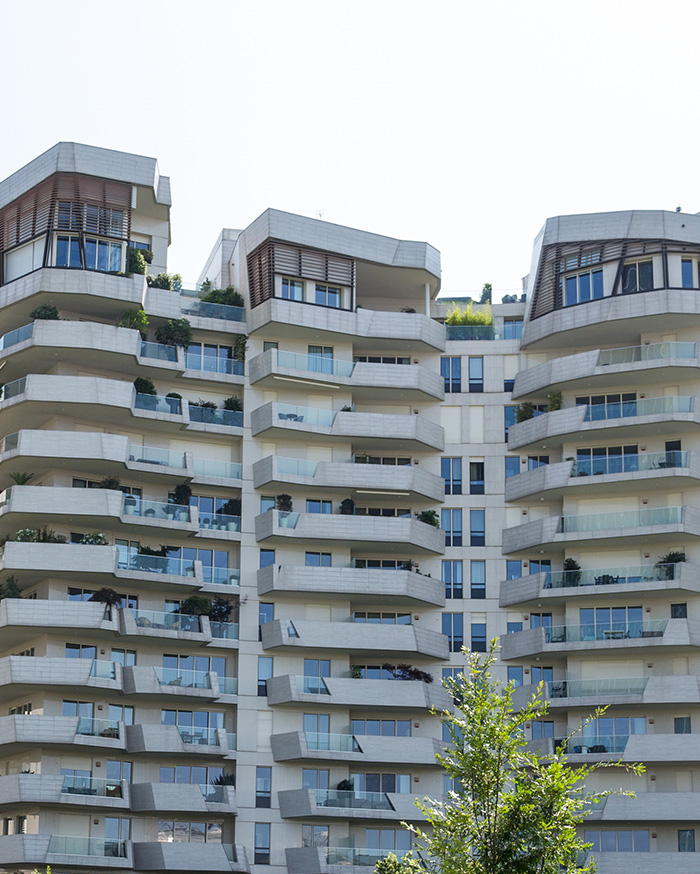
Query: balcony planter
{"points": [[173, 400], [130, 504]]}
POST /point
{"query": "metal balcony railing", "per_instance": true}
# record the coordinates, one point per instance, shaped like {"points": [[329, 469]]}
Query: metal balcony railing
{"points": [[211, 310]]}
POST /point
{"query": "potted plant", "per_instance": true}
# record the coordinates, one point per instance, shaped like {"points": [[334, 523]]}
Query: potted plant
{"points": [[94, 538], [131, 502], [232, 509], [554, 401], [223, 296], [356, 672], [44, 312], [666, 564], [112, 483], [11, 589], [429, 517], [21, 478], [285, 506], [175, 332], [572, 572], [234, 404], [195, 605], [181, 499], [149, 396], [174, 401], [347, 507], [136, 320]]}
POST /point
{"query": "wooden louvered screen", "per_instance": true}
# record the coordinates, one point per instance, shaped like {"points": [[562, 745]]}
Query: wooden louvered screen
{"points": [[101, 207], [272, 258]]}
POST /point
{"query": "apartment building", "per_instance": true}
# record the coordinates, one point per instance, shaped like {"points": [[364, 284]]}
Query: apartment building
{"points": [[293, 484]]}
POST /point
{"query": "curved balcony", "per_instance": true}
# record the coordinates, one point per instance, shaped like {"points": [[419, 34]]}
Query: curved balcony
{"points": [[411, 480], [21, 733], [84, 792], [563, 639], [398, 383], [375, 430], [604, 584], [659, 524], [365, 749], [660, 691], [607, 475], [358, 638], [183, 797], [396, 331], [159, 682], [346, 692], [332, 803], [372, 586], [334, 860], [624, 367], [388, 533], [612, 321], [179, 856], [631, 420]]}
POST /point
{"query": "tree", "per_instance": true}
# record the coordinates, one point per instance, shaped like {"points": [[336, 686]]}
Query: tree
{"points": [[486, 293], [514, 811]]}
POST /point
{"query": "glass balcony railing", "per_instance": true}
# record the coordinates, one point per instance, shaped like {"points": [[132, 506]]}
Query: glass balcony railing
{"points": [[344, 743], [194, 734], [232, 739], [651, 352], [213, 364], [158, 351], [472, 332], [222, 576], [19, 335], [594, 688], [312, 686], [629, 463], [102, 669], [212, 794], [641, 407], [314, 363], [219, 521], [167, 621], [296, 466], [158, 404], [287, 520], [604, 631], [187, 679], [14, 388], [228, 685], [11, 442], [205, 415], [306, 414], [223, 469], [602, 743], [98, 786], [224, 630], [97, 727], [154, 455], [359, 856], [611, 576], [211, 310], [157, 564], [135, 506], [65, 845], [621, 519], [356, 800]]}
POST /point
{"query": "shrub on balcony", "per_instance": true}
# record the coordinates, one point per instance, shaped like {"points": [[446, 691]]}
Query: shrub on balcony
{"points": [[137, 261], [666, 562], [408, 672], [284, 503], [524, 411], [181, 495], [347, 507], [137, 320], [110, 482], [21, 478], [106, 596], [224, 780], [10, 589], [161, 552], [45, 312], [572, 572], [38, 535], [166, 281], [144, 386], [205, 405], [470, 316], [356, 672], [232, 507], [220, 609], [240, 347], [175, 401], [554, 401], [235, 404], [429, 517], [346, 786], [175, 332], [226, 296], [195, 605], [94, 538]]}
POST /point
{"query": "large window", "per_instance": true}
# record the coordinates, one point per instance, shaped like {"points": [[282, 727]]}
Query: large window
{"points": [[451, 370], [619, 841], [477, 527], [512, 329], [328, 296], [452, 474], [263, 786], [451, 524], [638, 276], [687, 274], [476, 478], [512, 465], [452, 578], [477, 579], [606, 459], [178, 831], [478, 637], [476, 375], [453, 627], [582, 287], [262, 843], [292, 289]]}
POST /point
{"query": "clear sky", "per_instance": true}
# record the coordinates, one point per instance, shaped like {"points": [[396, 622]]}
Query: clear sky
{"points": [[465, 124]]}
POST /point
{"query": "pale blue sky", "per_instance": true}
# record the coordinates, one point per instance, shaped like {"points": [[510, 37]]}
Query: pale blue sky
{"points": [[465, 124]]}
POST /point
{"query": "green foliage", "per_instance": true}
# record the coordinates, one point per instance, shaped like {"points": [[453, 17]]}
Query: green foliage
{"points": [[137, 262], [11, 589], [166, 281], [195, 605], [284, 503], [240, 347], [175, 332], [470, 316], [137, 320], [161, 552], [182, 494], [524, 411], [144, 386], [671, 558], [107, 596], [408, 672], [393, 865], [572, 572], [44, 312], [94, 538], [346, 785], [224, 780], [39, 535], [110, 482], [430, 517], [233, 403], [486, 293], [21, 478], [227, 296], [347, 507], [516, 812], [232, 507], [554, 401], [221, 609], [356, 672]]}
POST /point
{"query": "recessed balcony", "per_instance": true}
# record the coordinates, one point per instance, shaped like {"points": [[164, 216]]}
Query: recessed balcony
{"points": [[358, 638], [180, 856], [563, 639], [631, 420], [625, 367], [411, 481], [336, 803], [346, 692], [604, 584], [56, 789], [606, 475], [363, 749], [390, 534], [401, 587], [398, 383], [658, 524], [376, 430], [396, 331], [183, 797]]}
